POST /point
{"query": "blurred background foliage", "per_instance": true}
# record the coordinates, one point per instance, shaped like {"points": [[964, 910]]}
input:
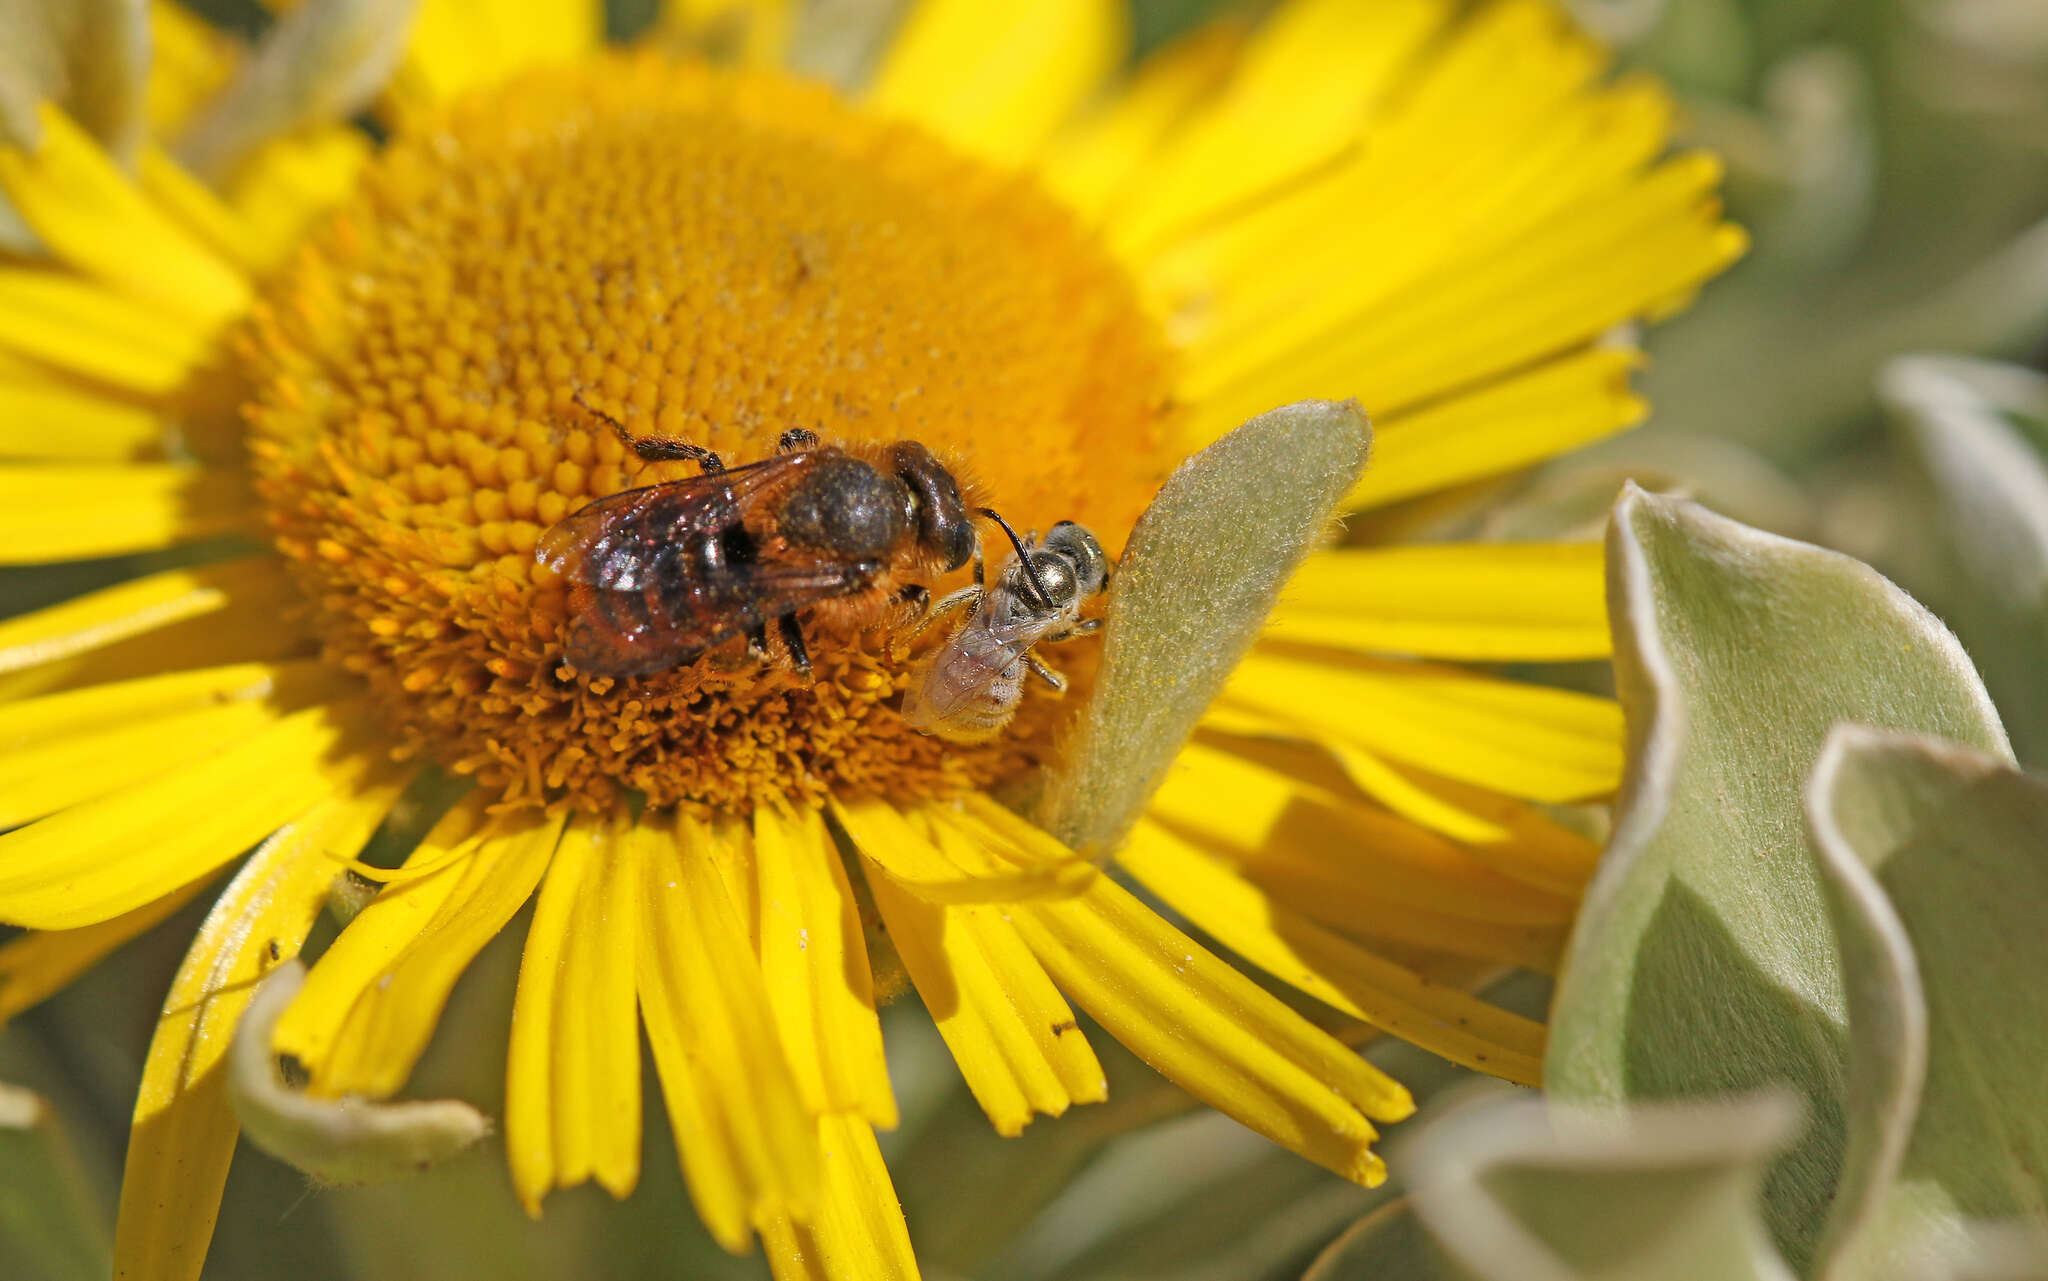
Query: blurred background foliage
{"points": [[1891, 160]]}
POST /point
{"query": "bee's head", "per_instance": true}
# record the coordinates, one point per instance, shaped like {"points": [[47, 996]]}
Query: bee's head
{"points": [[1089, 568], [944, 528]]}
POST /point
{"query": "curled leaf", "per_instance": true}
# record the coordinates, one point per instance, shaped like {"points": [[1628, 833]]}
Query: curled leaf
{"points": [[1197, 580], [1704, 961], [1511, 1188], [1943, 849], [334, 1141]]}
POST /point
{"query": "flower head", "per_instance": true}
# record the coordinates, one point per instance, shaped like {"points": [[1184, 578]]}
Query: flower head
{"points": [[400, 370]]}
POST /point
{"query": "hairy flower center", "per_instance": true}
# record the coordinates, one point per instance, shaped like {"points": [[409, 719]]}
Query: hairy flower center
{"points": [[701, 255]]}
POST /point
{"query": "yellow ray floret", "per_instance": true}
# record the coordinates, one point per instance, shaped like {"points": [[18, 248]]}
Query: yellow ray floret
{"points": [[814, 960], [1334, 970], [572, 1084], [1014, 1037], [184, 1132], [83, 328], [749, 1146], [370, 1004], [139, 605], [1238, 803], [996, 80], [1213, 1031], [859, 1234], [1478, 602], [54, 512], [113, 854], [1525, 740], [90, 214], [42, 417]]}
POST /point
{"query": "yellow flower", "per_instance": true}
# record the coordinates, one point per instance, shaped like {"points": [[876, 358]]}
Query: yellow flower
{"points": [[1063, 277]]}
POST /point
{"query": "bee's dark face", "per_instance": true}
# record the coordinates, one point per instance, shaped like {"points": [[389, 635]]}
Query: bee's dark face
{"points": [[943, 525]]}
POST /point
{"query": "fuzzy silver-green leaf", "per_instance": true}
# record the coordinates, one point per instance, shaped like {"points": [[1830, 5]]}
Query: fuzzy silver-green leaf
{"points": [[1704, 961], [1947, 847], [1197, 580]]}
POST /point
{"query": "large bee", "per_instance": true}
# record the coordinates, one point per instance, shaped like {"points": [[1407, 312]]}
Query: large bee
{"points": [[970, 687], [660, 575]]}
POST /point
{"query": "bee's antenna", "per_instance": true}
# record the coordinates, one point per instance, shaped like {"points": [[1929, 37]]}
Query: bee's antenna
{"points": [[1023, 558]]}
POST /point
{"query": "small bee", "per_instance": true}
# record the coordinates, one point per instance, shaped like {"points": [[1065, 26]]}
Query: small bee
{"points": [[660, 575], [970, 687]]}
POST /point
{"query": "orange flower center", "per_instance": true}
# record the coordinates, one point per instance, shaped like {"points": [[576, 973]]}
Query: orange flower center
{"points": [[701, 255]]}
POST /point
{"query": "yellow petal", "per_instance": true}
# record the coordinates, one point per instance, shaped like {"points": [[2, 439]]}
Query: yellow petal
{"points": [[1012, 1033], [460, 44], [1481, 602], [998, 79], [859, 1234], [1270, 820], [814, 959], [1525, 740], [1302, 93], [749, 1146], [1368, 773], [92, 217], [1495, 133], [1510, 836], [1092, 161], [79, 767], [184, 1131], [30, 723], [1563, 284], [49, 418], [1337, 972], [79, 326], [371, 1002], [280, 189], [247, 628], [884, 837], [572, 1086], [1548, 410], [54, 512], [111, 855], [1213, 1031], [139, 605], [36, 965], [190, 59], [198, 211]]}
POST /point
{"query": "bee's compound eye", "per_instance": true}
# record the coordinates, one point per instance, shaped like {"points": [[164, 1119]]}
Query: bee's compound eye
{"points": [[943, 525]]}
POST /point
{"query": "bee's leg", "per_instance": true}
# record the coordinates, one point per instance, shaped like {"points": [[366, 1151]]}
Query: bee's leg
{"points": [[1046, 674], [968, 597], [916, 602], [796, 440], [793, 637], [657, 449], [757, 642]]}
